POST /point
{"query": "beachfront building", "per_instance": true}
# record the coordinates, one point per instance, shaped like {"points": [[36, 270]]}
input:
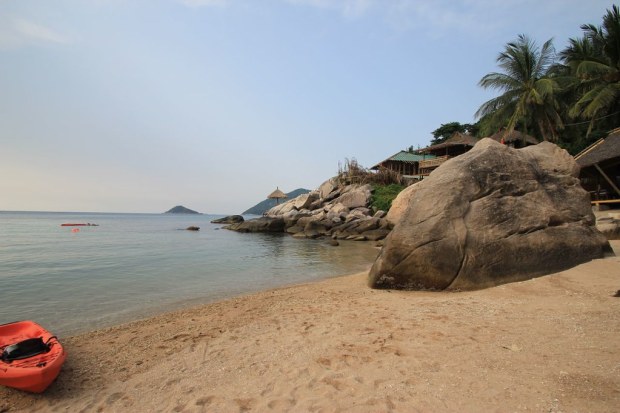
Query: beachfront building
{"points": [[414, 166], [600, 170], [404, 163], [459, 143], [456, 145]]}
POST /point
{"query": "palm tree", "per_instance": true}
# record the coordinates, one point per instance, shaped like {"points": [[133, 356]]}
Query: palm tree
{"points": [[594, 61], [528, 98]]}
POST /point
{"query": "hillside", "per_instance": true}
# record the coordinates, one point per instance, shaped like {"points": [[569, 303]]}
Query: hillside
{"points": [[264, 206]]}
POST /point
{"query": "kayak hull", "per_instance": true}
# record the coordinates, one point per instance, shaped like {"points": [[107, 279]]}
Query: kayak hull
{"points": [[32, 374]]}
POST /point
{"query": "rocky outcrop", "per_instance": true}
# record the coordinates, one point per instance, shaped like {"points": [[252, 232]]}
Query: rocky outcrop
{"points": [[193, 228], [231, 219], [262, 224], [491, 216], [333, 210]]}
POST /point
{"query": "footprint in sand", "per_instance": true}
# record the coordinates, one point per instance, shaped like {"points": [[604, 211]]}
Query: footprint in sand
{"points": [[324, 361], [245, 404], [281, 404], [204, 401]]}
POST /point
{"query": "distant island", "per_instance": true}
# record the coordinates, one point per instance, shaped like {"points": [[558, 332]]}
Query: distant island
{"points": [[180, 209], [267, 204]]}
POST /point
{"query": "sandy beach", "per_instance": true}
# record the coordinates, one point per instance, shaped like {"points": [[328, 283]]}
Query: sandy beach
{"points": [[549, 344]]}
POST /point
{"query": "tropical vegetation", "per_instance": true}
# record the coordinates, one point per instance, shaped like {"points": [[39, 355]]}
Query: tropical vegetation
{"points": [[386, 184], [571, 97], [383, 195], [528, 96], [446, 130]]}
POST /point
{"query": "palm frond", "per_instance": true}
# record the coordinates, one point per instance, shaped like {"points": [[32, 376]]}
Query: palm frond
{"points": [[589, 68], [602, 100], [496, 104], [546, 87], [499, 81], [545, 58]]}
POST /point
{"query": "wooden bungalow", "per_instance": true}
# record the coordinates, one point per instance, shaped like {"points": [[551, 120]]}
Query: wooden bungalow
{"points": [[405, 164], [600, 169], [456, 145], [416, 166]]}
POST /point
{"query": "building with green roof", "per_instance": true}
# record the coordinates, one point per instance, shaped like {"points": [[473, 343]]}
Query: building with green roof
{"points": [[404, 163]]}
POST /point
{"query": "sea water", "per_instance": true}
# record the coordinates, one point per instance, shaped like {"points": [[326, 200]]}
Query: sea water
{"points": [[75, 279]]}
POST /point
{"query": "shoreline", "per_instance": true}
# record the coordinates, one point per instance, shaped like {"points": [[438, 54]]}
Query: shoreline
{"points": [[546, 344]]}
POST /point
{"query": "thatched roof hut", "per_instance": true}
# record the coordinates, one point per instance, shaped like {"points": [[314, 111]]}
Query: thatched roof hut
{"points": [[457, 144], [601, 151], [600, 167]]}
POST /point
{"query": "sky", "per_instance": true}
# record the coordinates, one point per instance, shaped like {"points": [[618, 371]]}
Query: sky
{"points": [[141, 105]]}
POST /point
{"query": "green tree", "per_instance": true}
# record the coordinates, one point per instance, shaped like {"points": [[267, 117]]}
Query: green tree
{"points": [[528, 100], [446, 130], [593, 61]]}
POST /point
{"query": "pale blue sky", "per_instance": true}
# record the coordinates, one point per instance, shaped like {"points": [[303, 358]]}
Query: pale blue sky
{"points": [[137, 106]]}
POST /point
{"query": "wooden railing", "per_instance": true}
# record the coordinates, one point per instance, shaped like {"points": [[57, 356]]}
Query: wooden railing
{"points": [[433, 163]]}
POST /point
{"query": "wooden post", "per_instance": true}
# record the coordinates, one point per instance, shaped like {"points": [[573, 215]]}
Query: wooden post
{"points": [[609, 181]]}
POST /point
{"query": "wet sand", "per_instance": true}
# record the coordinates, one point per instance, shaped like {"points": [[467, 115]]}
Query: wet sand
{"points": [[549, 344]]}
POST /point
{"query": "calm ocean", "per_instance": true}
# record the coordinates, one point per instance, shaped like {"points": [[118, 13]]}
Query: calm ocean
{"points": [[135, 265]]}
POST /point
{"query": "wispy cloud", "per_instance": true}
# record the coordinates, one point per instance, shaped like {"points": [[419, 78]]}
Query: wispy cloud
{"points": [[16, 32], [435, 16], [204, 3], [348, 8], [38, 32], [445, 17]]}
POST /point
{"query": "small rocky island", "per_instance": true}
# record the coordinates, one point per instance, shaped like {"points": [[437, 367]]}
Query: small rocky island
{"points": [[180, 209]]}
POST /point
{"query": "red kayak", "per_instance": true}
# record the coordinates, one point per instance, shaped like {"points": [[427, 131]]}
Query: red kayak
{"points": [[31, 357]]}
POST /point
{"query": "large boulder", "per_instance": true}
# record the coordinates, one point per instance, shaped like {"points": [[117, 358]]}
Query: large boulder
{"points": [[305, 200], [356, 196], [281, 209], [375, 228], [400, 204], [609, 227], [231, 219], [491, 216], [327, 187], [263, 224], [337, 210], [291, 218]]}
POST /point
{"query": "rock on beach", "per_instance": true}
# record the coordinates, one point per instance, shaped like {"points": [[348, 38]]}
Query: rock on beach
{"points": [[333, 210], [491, 216]]}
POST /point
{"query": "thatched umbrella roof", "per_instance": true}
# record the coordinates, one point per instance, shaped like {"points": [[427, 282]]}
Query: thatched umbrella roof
{"points": [[277, 195], [601, 150]]}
